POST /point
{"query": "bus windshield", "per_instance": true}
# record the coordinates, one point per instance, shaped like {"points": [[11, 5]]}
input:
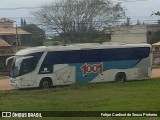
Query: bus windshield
{"points": [[24, 64], [14, 72]]}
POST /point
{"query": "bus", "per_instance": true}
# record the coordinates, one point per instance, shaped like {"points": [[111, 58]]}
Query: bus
{"points": [[47, 66]]}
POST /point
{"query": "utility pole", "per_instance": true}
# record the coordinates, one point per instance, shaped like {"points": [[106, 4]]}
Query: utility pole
{"points": [[16, 38]]}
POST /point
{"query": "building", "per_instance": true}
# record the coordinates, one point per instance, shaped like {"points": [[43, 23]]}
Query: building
{"points": [[153, 33], [132, 34], [12, 35], [156, 53], [136, 34], [6, 23], [5, 52], [156, 47]]}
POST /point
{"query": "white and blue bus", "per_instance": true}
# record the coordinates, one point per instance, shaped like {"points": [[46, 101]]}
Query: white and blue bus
{"points": [[80, 63]]}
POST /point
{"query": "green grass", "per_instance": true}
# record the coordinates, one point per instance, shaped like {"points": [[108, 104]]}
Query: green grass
{"points": [[130, 96]]}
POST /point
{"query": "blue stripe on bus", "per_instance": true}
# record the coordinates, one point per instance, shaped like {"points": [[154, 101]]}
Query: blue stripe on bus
{"points": [[85, 78]]}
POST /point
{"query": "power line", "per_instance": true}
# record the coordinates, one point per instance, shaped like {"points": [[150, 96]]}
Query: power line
{"points": [[124, 1], [56, 5], [18, 8], [36, 7]]}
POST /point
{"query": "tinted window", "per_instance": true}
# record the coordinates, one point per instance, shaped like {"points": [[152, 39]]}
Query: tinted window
{"points": [[89, 56], [71, 56], [115, 54], [76, 56], [29, 64], [53, 58], [95, 55], [139, 53]]}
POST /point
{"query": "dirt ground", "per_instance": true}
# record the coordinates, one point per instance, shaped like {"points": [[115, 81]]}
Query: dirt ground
{"points": [[155, 73], [5, 83]]}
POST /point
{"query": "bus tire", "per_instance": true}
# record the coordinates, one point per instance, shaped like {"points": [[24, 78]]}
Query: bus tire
{"points": [[120, 77], [46, 83]]}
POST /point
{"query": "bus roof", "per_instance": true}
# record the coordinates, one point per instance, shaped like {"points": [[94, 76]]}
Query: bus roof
{"points": [[85, 46]]}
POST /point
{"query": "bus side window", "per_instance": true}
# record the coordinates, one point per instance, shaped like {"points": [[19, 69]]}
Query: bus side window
{"points": [[71, 56], [90, 55], [53, 58], [115, 54], [124, 53], [50, 59], [139, 53], [110, 55]]}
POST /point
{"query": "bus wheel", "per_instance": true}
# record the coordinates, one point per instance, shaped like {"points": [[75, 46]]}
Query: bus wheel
{"points": [[120, 77], [45, 83]]}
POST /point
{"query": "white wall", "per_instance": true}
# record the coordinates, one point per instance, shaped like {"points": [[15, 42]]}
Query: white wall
{"points": [[136, 34]]}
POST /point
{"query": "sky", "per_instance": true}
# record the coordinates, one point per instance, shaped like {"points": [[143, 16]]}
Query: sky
{"points": [[142, 9], [135, 9]]}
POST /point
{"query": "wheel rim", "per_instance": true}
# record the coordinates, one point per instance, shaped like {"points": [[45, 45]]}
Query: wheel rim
{"points": [[120, 78], [45, 84]]}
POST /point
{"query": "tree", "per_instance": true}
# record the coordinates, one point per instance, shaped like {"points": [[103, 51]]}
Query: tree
{"points": [[22, 23], [128, 21], [157, 13], [37, 34], [78, 20], [138, 22]]}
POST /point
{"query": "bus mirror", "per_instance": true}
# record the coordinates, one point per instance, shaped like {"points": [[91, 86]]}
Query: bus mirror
{"points": [[8, 59]]}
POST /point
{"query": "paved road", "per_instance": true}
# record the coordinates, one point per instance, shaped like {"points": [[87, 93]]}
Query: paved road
{"points": [[5, 84]]}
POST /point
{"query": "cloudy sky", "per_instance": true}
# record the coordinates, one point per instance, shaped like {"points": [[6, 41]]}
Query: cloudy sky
{"points": [[135, 9], [6, 4], [141, 8]]}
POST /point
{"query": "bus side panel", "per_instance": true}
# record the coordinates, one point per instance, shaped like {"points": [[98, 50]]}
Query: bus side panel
{"points": [[63, 74], [144, 67], [96, 71], [104, 77], [102, 71], [86, 72]]}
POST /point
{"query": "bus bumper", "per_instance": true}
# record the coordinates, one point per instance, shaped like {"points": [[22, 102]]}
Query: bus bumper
{"points": [[15, 83]]}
